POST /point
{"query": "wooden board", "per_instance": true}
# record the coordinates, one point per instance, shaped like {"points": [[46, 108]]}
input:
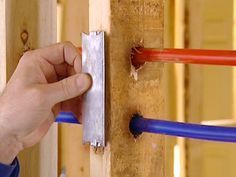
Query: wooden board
{"points": [[3, 45], [170, 84], [174, 87], [35, 21], [73, 155], [211, 93], [128, 23]]}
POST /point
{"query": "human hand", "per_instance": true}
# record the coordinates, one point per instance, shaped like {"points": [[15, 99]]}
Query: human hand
{"points": [[37, 91]]}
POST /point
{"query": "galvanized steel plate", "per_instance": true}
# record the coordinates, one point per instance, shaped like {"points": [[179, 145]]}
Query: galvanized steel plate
{"points": [[93, 60]]}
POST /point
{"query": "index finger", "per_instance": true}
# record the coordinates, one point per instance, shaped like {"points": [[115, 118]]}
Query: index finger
{"points": [[59, 53]]}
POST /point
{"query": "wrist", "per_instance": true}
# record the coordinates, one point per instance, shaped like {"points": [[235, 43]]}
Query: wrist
{"points": [[9, 146]]}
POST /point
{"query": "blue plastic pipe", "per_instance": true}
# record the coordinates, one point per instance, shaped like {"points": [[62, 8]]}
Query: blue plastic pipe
{"points": [[138, 125], [66, 117]]}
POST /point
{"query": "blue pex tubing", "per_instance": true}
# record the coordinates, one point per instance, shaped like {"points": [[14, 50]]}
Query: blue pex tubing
{"points": [[67, 117], [139, 124]]}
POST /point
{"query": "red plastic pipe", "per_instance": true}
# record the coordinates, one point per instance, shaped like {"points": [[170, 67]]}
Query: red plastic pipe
{"points": [[79, 50], [185, 56]]}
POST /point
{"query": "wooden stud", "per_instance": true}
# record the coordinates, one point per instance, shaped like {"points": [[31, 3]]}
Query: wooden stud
{"points": [[129, 23], [210, 90], [3, 45], [29, 25], [73, 155]]}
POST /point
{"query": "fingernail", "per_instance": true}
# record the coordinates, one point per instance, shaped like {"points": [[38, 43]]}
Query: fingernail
{"points": [[83, 82]]}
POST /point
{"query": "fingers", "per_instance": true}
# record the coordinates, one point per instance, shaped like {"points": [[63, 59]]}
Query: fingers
{"points": [[64, 70], [67, 88], [61, 53]]}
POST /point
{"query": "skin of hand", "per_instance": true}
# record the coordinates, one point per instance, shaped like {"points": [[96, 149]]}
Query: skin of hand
{"points": [[45, 82]]}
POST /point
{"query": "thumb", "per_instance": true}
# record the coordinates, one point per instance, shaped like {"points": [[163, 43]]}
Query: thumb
{"points": [[68, 88]]}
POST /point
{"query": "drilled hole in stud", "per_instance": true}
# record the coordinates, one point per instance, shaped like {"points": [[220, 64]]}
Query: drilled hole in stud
{"points": [[132, 125]]}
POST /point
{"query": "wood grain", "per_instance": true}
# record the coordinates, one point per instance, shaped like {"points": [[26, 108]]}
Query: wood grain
{"points": [[3, 45], [73, 155], [35, 21], [128, 23]]}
